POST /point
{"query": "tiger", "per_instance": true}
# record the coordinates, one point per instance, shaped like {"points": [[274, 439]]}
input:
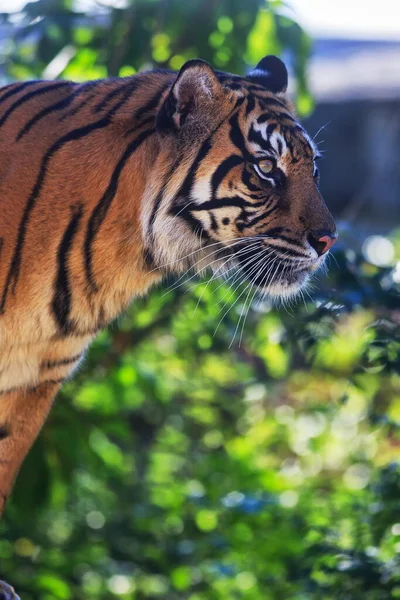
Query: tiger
{"points": [[109, 186]]}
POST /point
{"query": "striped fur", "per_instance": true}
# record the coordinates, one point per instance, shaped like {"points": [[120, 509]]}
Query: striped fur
{"points": [[107, 186]]}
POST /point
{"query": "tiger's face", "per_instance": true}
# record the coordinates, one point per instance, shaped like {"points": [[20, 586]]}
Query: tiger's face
{"points": [[240, 192]]}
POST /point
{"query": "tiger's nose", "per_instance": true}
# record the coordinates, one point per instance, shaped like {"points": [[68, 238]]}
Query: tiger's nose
{"points": [[321, 241]]}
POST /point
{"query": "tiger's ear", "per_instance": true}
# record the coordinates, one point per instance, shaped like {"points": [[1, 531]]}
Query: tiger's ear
{"points": [[271, 73], [193, 97]]}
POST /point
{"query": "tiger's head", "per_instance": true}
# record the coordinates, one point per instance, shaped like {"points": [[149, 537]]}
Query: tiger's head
{"points": [[239, 189]]}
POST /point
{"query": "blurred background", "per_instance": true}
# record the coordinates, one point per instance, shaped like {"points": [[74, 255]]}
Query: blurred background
{"points": [[256, 458]]}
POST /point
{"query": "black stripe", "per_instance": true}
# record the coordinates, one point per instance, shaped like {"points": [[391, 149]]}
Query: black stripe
{"points": [[33, 388], [74, 110], [64, 103], [247, 174], [149, 107], [283, 252], [15, 88], [257, 138], [61, 303], [251, 103], [158, 202], [9, 390], [226, 78], [7, 86], [238, 103], [223, 169], [219, 203], [277, 116], [214, 223], [100, 211], [124, 88], [260, 217], [272, 101], [187, 184], [259, 194], [152, 103], [185, 190], [118, 89], [4, 89], [4, 432], [237, 138], [148, 259], [83, 332], [265, 117], [143, 123], [287, 239], [269, 130], [275, 231], [52, 381], [75, 134], [42, 90], [231, 85], [195, 225], [257, 87], [51, 364]]}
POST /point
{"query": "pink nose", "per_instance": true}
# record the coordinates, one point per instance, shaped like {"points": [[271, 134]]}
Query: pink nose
{"points": [[326, 242], [321, 243]]}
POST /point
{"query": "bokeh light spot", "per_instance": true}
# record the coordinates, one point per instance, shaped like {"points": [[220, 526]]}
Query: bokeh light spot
{"points": [[121, 584], [378, 250], [289, 499], [95, 519], [357, 476]]}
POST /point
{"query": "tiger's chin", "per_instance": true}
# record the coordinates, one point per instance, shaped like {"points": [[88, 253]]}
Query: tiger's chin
{"points": [[287, 289], [283, 287]]}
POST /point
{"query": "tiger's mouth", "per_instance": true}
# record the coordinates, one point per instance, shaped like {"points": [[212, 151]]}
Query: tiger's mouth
{"points": [[276, 277], [272, 270]]}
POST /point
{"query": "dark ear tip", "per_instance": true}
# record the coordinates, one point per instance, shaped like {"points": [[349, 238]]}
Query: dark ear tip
{"points": [[271, 62], [272, 73]]}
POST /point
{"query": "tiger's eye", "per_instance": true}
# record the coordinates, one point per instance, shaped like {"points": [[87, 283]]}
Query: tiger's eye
{"points": [[266, 166]]}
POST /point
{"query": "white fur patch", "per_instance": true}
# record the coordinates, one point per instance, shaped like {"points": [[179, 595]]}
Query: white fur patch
{"points": [[201, 191]]}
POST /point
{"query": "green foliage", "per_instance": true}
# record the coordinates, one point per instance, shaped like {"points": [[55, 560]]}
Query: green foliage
{"points": [[55, 39], [189, 459]]}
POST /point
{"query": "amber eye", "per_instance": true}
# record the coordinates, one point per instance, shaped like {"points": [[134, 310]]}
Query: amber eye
{"points": [[266, 166]]}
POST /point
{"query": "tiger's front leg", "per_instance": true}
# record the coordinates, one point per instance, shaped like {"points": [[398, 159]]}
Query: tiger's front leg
{"points": [[22, 414]]}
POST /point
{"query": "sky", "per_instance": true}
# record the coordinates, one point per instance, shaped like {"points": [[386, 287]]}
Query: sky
{"points": [[362, 19]]}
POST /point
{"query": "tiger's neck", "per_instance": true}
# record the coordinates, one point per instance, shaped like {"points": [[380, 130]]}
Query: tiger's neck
{"points": [[115, 262]]}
